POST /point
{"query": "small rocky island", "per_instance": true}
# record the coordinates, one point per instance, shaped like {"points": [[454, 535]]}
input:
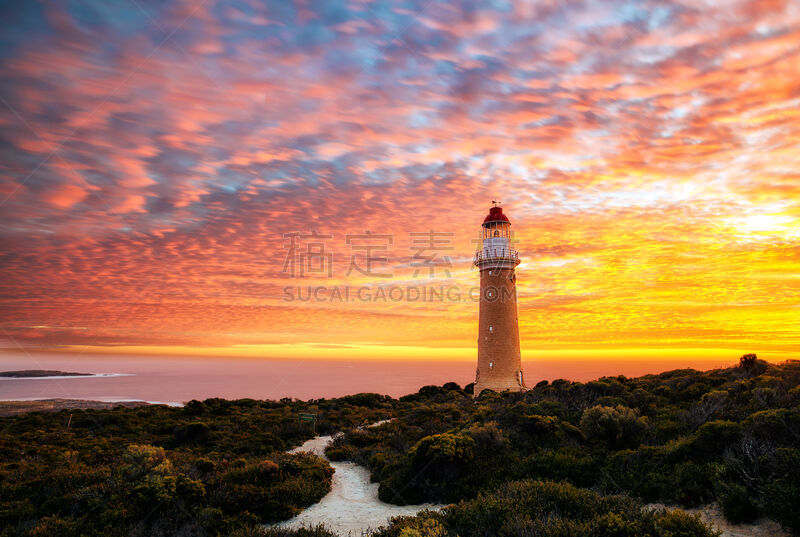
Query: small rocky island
{"points": [[37, 373]]}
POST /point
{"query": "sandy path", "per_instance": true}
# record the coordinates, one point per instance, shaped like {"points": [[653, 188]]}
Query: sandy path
{"points": [[352, 506]]}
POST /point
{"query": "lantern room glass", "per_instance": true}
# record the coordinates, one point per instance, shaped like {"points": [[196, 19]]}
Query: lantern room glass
{"points": [[497, 229]]}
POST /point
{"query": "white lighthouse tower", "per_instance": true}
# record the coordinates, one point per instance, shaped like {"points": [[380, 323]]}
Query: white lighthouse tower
{"points": [[499, 359]]}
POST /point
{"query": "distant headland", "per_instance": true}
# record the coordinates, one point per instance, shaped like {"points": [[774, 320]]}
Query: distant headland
{"points": [[38, 373], [12, 408]]}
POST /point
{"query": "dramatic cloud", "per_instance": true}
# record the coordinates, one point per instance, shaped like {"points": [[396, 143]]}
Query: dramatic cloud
{"points": [[157, 156]]}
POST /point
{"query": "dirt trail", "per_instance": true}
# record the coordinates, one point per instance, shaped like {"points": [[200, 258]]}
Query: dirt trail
{"points": [[352, 506]]}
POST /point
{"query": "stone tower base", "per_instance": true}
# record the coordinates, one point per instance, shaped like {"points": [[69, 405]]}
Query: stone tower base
{"points": [[499, 360]]}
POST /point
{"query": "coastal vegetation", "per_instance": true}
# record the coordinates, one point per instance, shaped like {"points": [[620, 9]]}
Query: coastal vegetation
{"points": [[564, 458], [682, 437], [213, 467]]}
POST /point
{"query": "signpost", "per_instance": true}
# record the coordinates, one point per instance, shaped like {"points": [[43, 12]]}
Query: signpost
{"points": [[309, 418]]}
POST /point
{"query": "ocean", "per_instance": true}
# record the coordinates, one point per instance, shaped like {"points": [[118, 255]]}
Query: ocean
{"points": [[179, 379]]}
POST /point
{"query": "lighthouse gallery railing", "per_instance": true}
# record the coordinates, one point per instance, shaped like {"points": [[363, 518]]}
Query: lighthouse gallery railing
{"points": [[496, 254]]}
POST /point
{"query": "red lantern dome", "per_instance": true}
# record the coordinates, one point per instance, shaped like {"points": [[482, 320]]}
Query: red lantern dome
{"points": [[495, 215]]}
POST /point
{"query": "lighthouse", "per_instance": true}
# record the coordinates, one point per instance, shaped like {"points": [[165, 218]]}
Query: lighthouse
{"points": [[499, 359]]}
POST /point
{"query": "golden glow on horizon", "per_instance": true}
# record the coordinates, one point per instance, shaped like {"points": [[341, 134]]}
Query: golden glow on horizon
{"points": [[384, 352]]}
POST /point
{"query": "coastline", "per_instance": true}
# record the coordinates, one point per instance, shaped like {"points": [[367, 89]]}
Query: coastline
{"points": [[65, 377], [13, 407]]}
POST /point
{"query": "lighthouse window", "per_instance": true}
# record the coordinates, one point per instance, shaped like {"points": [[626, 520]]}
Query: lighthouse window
{"points": [[491, 365], [491, 329], [496, 233]]}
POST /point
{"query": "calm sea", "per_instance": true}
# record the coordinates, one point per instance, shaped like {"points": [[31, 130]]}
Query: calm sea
{"points": [[180, 379]]}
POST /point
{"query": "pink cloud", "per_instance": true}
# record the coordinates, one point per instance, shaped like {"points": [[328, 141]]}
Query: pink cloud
{"points": [[65, 196]]}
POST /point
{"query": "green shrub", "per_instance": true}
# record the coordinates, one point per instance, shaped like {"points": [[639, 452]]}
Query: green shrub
{"points": [[55, 526], [617, 427], [205, 465], [780, 502], [710, 440], [142, 460], [369, 400], [737, 503], [196, 431], [443, 450]]}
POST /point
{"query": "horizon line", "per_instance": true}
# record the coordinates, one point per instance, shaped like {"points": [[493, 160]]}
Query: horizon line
{"points": [[357, 352]]}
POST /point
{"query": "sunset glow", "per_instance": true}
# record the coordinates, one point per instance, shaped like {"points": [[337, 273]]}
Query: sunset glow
{"points": [[157, 159]]}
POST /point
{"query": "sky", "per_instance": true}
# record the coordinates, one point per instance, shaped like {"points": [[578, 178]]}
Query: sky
{"points": [[204, 176]]}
